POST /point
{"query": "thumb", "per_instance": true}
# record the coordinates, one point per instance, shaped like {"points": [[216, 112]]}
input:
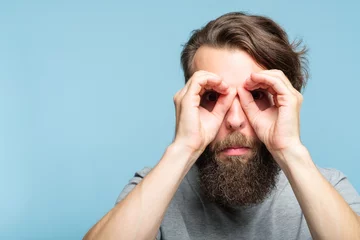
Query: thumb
{"points": [[248, 103], [223, 104]]}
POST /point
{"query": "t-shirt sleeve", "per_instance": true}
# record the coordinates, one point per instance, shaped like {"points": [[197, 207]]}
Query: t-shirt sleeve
{"points": [[138, 176], [346, 190]]}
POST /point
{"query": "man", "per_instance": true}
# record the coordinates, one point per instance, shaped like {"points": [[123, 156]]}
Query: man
{"points": [[236, 168]]}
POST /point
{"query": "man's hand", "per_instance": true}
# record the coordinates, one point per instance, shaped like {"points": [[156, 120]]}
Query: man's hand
{"points": [[278, 126], [196, 127]]}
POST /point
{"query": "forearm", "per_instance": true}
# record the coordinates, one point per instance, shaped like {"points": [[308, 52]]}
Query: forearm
{"points": [[326, 212], [140, 214]]}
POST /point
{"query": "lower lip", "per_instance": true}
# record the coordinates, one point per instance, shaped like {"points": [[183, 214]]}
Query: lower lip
{"points": [[235, 151]]}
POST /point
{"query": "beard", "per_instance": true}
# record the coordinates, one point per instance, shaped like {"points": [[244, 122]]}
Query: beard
{"points": [[242, 180]]}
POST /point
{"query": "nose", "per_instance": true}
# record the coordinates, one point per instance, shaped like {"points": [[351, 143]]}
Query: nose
{"points": [[235, 118]]}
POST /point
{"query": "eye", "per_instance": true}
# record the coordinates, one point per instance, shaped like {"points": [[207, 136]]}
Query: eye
{"points": [[257, 95], [211, 96]]}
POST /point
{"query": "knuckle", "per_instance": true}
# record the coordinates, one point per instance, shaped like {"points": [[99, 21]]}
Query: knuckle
{"points": [[198, 73], [176, 96], [300, 97], [201, 74], [293, 100], [279, 72], [197, 80], [181, 101]]}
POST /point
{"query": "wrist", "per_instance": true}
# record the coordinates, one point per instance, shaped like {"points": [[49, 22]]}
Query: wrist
{"points": [[187, 153], [292, 155]]}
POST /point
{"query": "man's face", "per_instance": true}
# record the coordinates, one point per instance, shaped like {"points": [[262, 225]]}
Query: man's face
{"points": [[236, 168]]}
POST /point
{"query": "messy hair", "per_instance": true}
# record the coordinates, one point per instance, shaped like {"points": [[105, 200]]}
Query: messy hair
{"points": [[263, 39]]}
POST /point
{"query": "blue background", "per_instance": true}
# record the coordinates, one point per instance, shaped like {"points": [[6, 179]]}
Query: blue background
{"points": [[86, 98]]}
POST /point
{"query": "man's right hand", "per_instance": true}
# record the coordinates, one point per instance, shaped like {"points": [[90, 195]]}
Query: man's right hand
{"points": [[196, 126]]}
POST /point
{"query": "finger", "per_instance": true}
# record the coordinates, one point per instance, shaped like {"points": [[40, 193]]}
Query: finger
{"points": [[198, 85], [221, 88], [214, 80], [177, 107], [260, 78], [281, 75], [180, 94], [205, 89], [264, 87], [248, 103], [223, 104], [200, 74], [267, 89]]}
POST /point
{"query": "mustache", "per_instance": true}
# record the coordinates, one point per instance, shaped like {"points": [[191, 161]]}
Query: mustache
{"points": [[235, 139]]}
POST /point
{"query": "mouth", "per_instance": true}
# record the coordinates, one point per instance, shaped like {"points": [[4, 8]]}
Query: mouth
{"points": [[235, 150]]}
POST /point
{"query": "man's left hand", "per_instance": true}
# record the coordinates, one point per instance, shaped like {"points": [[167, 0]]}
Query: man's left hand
{"points": [[277, 126]]}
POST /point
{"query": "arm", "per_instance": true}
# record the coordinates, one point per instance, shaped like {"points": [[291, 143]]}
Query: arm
{"points": [[328, 215], [140, 213], [278, 127]]}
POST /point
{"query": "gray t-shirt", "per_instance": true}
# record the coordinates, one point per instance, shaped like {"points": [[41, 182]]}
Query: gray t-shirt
{"points": [[190, 216]]}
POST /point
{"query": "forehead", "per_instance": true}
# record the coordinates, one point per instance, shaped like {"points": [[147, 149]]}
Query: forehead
{"points": [[233, 65]]}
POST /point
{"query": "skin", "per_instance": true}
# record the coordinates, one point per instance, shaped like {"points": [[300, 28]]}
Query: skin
{"points": [[273, 119], [234, 68]]}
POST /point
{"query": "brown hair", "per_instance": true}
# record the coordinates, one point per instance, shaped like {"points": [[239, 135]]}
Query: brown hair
{"points": [[259, 36]]}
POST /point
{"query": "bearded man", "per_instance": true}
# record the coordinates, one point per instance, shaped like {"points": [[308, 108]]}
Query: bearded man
{"points": [[236, 168]]}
